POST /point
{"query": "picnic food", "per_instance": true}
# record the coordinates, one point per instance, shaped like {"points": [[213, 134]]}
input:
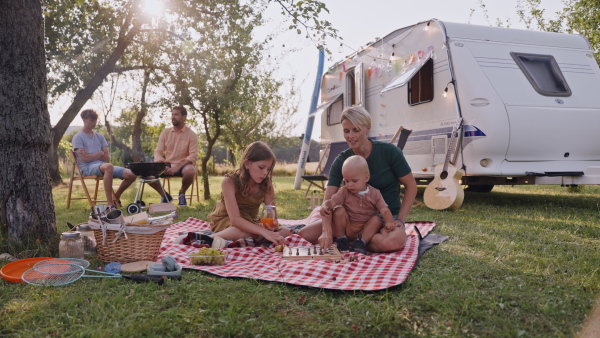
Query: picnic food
{"points": [[279, 248], [208, 256]]}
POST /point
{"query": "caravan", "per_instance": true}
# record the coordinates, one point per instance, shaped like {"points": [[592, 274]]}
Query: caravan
{"points": [[529, 102]]}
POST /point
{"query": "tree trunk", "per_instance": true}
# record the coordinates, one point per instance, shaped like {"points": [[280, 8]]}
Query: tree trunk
{"points": [[210, 142], [113, 140], [209, 145], [125, 39], [136, 136], [26, 204], [231, 157]]}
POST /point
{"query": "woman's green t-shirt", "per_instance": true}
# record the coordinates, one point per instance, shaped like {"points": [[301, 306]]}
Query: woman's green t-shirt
{"points": [[386, 165]]}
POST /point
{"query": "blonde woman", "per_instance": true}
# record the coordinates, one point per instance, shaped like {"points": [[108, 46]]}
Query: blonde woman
{"points": [[388, 169]]}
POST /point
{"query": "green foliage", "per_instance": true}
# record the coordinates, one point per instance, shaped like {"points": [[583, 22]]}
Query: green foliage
{"points": [[584, 18], [577, 17], [534, 17], [201, 52], [217, 75], [259, 112], [66, 145], [80, 36], [306, 19], [149, 137], [88, 40], [520, 261]]}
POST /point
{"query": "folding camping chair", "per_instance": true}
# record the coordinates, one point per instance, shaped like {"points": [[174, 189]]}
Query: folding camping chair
{"points": [[321, 175], [76, 175], [195, 187], [402, 136]]}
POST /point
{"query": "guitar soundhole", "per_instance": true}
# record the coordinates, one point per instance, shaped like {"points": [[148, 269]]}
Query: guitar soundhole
{"points": [[443, 175]]}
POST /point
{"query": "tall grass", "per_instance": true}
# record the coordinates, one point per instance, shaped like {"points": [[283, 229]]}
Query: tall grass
{"points": [[520, 262]]}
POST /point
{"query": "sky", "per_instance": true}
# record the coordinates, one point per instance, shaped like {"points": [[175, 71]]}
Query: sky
{"points": [[359, 22]]}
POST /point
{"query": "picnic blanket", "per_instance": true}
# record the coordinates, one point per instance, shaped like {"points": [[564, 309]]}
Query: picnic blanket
{"points": [[369, 272]]}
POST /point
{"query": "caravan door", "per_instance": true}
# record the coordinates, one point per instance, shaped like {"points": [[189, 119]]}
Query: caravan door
{"points": [[355, 84]]}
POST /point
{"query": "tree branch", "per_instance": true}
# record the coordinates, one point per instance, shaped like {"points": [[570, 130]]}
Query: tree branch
{"points": [[114, 141], [119, 70], [163, 31]]}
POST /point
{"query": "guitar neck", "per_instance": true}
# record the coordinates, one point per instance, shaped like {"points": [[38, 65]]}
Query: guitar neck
{"points": [[450, 147]]}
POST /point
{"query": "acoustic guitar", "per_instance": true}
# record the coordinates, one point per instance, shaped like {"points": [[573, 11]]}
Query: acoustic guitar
{"points": [[445, 192]]}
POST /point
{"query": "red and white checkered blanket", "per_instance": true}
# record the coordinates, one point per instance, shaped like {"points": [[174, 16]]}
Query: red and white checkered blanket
{"points": [[370, 272]]}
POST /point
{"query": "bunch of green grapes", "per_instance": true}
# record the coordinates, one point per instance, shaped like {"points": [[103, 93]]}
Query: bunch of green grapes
{"points": [[209, 256]]}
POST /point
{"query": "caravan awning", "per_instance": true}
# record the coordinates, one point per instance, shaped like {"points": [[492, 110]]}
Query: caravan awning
{"points": [[325, 105], [402, 79]]}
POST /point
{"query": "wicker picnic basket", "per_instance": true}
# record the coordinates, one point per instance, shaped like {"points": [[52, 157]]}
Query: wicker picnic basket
{"points": [[133, 248]]}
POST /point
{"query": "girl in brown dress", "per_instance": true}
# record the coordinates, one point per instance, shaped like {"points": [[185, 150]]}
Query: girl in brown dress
{"points": [[243, 191]]}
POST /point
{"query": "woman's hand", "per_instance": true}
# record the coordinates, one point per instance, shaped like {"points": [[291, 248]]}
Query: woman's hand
{"points": [[325, 209], [325, 240]]}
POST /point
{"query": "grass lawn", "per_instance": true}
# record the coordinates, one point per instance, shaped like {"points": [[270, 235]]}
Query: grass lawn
{"points": [[520, 262]]}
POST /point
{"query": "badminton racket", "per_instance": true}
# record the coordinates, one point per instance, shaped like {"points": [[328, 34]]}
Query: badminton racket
{"points": [[81, 262], [66, 273]]}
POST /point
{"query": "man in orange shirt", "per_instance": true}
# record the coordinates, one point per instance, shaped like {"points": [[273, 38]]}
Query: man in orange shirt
{"points": [[178, 147]]}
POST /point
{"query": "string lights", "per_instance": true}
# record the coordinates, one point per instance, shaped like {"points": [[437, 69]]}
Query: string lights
{"points": [[394, 64], [445, 93]]}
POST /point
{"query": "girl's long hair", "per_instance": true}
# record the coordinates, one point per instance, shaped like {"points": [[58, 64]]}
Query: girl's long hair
{"points": [[257, 151]]}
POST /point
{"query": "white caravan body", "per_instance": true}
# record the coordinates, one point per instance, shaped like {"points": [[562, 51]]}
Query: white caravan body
{"points": [[529, 101]]}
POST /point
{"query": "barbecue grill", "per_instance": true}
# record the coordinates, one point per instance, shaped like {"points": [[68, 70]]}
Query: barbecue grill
{"points": [[145, 170]]}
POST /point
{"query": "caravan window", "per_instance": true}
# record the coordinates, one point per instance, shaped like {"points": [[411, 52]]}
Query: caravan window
{"points": [[543, 73], [420, 87], [334, 112]]}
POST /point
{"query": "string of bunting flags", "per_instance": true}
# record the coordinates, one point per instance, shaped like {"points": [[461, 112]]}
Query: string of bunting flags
{"points": [[393, 67]]}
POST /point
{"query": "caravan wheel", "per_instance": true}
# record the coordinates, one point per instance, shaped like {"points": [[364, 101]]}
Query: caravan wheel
{"points": [[480, 188]]}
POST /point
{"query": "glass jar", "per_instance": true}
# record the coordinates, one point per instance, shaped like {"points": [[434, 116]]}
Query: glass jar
{"points": [[269, 214], [89, 241], [71, 245]]}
